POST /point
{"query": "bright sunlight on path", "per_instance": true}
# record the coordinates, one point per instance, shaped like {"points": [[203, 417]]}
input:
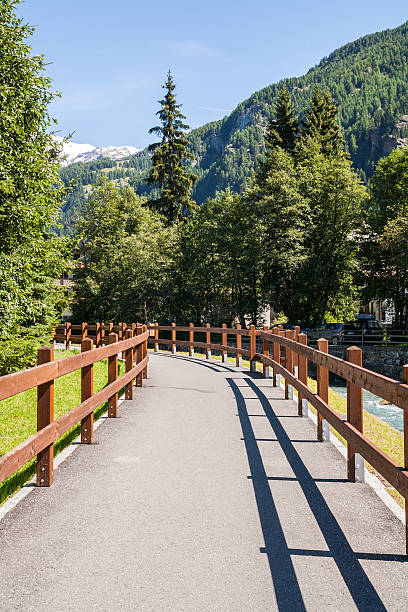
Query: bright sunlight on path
{"points": [[207, 493]]}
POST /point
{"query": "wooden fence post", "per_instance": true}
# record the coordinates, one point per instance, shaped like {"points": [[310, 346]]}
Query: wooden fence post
{"points": [[156, 337], [87, 435], [139, 356], [354, 416], [68, 336], [84, 331], [238, 356], [129, 365], [323, 431], [145, 352], [252, 348], [223, 342], [173, 339], [207, 341], [265, 351], [295, 357], [45, 416], [288, 365], [276, 357], [302, 374], [98, 336], [405, 381], [119, 334], [191, 339], [112, 376]]}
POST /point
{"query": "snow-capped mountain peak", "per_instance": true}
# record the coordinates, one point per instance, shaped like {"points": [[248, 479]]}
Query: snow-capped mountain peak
{"points": [[73, 152]]}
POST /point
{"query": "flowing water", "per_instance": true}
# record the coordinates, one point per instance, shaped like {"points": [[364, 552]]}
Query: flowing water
{"points": [[371, 403]]}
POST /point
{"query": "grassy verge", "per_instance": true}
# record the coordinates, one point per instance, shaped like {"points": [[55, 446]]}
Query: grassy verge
{"points": [[385, 437], [379, 433], [18, 417]]}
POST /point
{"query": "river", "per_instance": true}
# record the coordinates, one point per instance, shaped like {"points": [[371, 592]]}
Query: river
{"points": [[371, 403]]}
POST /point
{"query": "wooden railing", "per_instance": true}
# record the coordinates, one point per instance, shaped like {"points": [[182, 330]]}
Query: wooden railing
{"points": [[287, 354], [68, 333], [134, 349]]}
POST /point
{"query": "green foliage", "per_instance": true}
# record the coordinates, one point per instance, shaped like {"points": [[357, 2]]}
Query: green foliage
{"points": [[31, 257], [218, 268], [335, 196], [321, 123], [282, 214], [168, 170], [384, 245], [283, 131], [126, 256]]}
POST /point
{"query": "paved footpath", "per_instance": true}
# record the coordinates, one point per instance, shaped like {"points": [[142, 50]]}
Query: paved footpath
{"points": [[208, 493]]}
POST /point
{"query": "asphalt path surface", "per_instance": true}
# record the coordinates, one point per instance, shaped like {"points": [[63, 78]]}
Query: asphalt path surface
{"points": [[207, 493]]}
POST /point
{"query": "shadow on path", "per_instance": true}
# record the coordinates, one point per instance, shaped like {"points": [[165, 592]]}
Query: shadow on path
{"points": [[288, 594]]}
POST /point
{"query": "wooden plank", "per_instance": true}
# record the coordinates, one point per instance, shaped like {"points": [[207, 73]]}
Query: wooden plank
{"points": [[173, 338], [252, 347], [112, 376], [265, 351], [354, 409], [129, 365], [191, 339], [289, 361], [322, 385], [45, 416], [238, 341], [207, 341], [224, 343], [87, 434], [139, 355], [302, 372]]}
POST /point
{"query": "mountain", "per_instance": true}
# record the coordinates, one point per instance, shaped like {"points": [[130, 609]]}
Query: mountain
{"points": [[368, 79], [73, 152]]}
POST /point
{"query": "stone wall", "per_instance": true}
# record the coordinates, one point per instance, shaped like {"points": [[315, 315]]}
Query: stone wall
{"points": [[384, 360]]}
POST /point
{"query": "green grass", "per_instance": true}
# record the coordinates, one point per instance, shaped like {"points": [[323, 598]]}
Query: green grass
{"points": [[18, 417]]}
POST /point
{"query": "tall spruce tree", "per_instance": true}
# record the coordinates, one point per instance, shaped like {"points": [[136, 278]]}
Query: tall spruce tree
{"points": [[283, 130], [168, 171], [321, 123]]}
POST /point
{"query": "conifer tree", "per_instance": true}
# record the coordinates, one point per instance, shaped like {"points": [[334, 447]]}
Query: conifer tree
{"points": [[322, 123], [168, 171], [283, 130]]}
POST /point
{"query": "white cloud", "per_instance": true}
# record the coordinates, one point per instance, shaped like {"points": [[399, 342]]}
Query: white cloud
{"points": [[215, 109], [191, 48]]}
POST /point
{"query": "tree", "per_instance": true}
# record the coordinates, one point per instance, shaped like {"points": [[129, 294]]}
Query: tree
{"points": [[282, 213], [126, 255], [385, 237], [168, 170], [335, 196], [32, 258], [321, 123], [283, 130]]}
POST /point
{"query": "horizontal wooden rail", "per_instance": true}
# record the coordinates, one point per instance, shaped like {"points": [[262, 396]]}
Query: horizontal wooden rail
{"points": [[386, 388], [43, 376], [388, 468], [27, 450], [11, 384]]}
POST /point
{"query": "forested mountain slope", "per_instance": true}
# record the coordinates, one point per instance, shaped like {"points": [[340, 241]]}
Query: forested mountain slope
{"points": [[368, 79]]}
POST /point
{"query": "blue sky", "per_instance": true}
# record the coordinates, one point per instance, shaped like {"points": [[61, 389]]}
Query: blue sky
{"points": [[109, 59]]}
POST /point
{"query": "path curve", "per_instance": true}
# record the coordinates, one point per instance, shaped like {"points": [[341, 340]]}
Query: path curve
{"points": [[207, 493]]}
